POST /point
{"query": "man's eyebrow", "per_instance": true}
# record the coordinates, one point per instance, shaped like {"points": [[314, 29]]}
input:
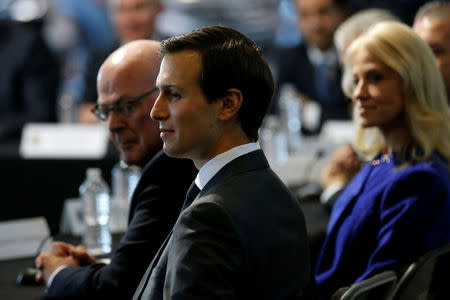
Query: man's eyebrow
{"points": [[115, 102], [166, 86]]}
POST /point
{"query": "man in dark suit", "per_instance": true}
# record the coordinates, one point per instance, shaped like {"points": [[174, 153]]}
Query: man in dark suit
{"points": [[126, 95], [29, 78], [313, 67], [244, 236]]}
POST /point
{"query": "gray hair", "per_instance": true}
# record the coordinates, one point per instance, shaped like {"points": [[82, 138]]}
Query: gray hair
{"points": [[439, 9], [359, 23]]}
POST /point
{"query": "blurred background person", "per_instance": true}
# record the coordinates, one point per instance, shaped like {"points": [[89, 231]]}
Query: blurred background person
{"points": [[401, 114], [313, 67], [131, 20], [75, 29], [29, 78], [402, 9], [256, 19], [126, 95], [432, 24]]}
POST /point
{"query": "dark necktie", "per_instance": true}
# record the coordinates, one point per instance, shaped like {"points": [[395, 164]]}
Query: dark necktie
{"points": [[191, 195], [321, 82]]}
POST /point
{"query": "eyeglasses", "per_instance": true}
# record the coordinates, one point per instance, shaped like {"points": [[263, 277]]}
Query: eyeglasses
{"points": [[126, 109]]}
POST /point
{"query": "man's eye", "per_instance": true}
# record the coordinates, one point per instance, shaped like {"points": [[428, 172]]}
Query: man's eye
{"points": [[128, 107], [173, 95]]}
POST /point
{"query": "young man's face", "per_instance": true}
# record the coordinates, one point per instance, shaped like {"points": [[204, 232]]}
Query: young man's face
{"points": [[189, 125]]}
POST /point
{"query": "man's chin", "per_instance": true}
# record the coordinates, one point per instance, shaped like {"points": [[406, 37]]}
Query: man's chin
{"points": [[172, 152], [130, 158]]}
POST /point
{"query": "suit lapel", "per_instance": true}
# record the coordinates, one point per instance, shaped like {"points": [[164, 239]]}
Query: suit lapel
{"points": [[150, 168], [348, 196], [144, 281]]}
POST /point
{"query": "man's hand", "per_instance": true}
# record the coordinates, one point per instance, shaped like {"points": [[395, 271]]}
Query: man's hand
{"points": [[47, 263], [61, 254], [80, 253]]}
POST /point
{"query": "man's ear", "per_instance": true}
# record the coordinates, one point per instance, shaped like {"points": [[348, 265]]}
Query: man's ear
{"points": [[230, 104]]}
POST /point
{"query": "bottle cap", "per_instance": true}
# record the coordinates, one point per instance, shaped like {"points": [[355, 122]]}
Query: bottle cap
{"points": [[93, 172]]}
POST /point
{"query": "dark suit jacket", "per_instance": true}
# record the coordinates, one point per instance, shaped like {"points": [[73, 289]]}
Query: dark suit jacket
{"points": [[244, 237], [29, 78], [385, 218], [155, 206], [295, 68]]}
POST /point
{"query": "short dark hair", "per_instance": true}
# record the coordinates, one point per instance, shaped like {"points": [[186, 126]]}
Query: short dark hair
{"points": [[229, 60]]}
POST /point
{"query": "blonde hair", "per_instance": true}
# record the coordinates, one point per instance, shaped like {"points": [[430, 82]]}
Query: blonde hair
{"points": [[426, 108]]}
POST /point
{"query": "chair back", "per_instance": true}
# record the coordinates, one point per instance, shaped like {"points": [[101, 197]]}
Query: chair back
{"points": [[427, 279], [377, 287]]}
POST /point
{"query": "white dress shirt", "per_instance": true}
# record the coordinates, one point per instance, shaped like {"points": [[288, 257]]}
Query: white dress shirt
{"points": [[214, 165]]}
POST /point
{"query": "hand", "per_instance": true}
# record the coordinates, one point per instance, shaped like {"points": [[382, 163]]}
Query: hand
{"points": [[47, 262], [343, 166], [61, 254], [80, 253]]}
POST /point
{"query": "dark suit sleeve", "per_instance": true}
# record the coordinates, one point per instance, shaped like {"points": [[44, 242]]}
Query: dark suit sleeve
{"points": [[413, 211], [204, 255], [158, 206]]}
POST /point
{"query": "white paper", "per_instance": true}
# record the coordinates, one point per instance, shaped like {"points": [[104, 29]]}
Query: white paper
{"points": [[21, 238]]}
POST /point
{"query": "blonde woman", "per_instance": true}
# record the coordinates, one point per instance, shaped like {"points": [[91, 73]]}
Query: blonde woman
{"points": [[398, 206]]}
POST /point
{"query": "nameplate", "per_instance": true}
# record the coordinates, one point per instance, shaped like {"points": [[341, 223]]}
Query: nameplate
{"points": [[22, 238], [66, 141]]}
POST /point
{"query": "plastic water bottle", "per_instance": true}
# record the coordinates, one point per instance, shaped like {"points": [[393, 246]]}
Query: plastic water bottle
{"points": [[124, 181], [274, 141], [94, 194], [290, 111]]}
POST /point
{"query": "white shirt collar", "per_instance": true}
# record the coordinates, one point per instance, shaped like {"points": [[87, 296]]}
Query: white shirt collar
{"points": [[317, 57], [214, 165]]}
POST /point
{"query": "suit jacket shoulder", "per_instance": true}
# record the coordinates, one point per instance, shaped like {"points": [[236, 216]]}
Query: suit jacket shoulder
{"points": [[244, 237]]}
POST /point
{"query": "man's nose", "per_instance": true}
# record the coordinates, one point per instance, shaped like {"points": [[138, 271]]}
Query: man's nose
{"points": [[115, 121], [159, 110]]}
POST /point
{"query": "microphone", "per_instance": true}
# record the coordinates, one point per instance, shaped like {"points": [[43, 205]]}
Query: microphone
{"points": [[28, 277], [311, 190]]}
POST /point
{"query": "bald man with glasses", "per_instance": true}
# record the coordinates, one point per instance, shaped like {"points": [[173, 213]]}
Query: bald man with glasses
{"points": [[126, 88]]}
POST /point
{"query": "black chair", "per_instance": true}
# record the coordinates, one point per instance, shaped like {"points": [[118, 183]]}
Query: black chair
{"points": [[377, 287], [428, 278]]}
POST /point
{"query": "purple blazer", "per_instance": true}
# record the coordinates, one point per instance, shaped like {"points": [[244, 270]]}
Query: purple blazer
{"points": [[386, 218]]}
